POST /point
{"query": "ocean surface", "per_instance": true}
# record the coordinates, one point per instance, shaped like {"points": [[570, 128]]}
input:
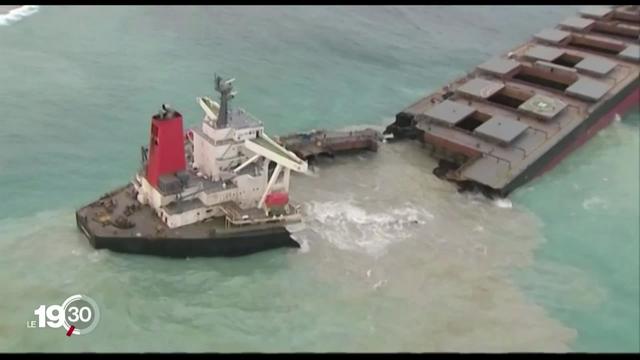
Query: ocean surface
{"points": [[392, 258]]}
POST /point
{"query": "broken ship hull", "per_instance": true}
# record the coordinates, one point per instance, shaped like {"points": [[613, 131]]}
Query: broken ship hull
{"points": [[518, 115], [206, 239], [627, 100]]}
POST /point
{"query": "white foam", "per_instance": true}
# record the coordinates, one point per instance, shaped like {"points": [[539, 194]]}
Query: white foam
{"points": [[477, 198], [18, 14], [380, 283], [350, 227], [304, 245], [413, 215], [296, 227], [297, 231], [503, 203]]}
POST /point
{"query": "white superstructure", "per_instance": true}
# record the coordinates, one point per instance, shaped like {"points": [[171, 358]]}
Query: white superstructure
{"points": [[229, 167]]}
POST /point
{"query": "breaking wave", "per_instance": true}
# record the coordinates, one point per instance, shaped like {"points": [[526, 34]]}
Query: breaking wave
{"points": [[18, 14], [478, 198]]}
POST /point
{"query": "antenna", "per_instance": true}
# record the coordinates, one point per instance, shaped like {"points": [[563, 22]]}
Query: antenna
{"points": [[225, 88]]}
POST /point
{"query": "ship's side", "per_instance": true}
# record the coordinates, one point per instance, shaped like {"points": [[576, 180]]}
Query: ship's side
{"points": [[518, 115], [623, 102]]}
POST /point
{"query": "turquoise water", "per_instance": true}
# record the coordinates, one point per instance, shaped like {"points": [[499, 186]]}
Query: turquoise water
{"points": [[592, 227], [393, 260]]}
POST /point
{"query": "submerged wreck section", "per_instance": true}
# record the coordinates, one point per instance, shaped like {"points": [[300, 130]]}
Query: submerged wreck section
{"points": [[519, 114], [309, 146]]}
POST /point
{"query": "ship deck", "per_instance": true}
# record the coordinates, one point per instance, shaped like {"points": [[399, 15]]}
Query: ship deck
{"points": [[102, 219], [513, 109]]}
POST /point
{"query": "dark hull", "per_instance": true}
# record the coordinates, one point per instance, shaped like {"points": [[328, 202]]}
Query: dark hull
{"points": [[626, 100], [236, 244]]}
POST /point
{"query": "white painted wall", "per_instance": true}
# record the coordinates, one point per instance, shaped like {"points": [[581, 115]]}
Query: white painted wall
{"points": [[149, 195], [248, 133], [216, 134], [210, 156], [190, 217], [252, 189], [204, 156]]}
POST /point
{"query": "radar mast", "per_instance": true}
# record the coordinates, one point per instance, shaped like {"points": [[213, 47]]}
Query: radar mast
{"points": [[225, 88]]}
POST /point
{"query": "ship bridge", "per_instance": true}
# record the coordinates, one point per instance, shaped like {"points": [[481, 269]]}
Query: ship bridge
{"points": [[250, 133]]}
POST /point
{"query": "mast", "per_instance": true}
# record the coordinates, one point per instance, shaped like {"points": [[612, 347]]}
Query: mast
{"points": [[226, 93]]}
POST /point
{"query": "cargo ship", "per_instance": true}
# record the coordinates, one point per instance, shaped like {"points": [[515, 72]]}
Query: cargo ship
{"points": [[517, 115], [221, 189]]}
